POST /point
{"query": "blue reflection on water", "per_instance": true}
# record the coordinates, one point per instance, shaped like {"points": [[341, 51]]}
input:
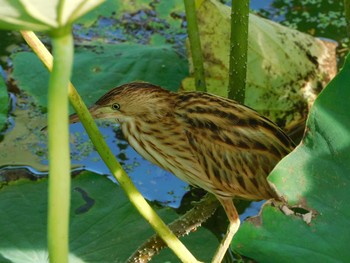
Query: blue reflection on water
{"points": [[153, 182], [258, 4]]}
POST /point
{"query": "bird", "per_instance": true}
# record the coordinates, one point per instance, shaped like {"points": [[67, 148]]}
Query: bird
{"points": [[211, 142]]}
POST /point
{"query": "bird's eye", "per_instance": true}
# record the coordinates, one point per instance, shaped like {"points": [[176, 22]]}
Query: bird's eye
{"points": [[115, 106]]}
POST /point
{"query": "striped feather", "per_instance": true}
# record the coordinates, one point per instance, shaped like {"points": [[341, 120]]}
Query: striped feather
{"points": [[211, 142]]}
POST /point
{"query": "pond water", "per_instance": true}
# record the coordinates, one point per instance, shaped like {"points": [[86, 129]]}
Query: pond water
{"points": [[24, 145]]}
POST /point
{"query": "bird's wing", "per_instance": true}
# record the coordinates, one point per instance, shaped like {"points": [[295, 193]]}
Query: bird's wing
{"points": [[235, 145]]}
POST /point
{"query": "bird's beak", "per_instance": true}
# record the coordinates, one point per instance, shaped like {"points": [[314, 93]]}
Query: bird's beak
{"points": [[73, 118], [96, 111]]}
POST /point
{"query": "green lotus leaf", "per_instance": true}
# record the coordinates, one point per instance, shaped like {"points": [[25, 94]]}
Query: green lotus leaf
{"points": [[98, 69], [315, 179], [104, 226]]}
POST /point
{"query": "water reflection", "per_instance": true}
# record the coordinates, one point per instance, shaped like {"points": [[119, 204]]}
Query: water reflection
{"points": [[153, 182]]}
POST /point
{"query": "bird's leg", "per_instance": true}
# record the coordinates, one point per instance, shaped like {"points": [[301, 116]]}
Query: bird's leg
{"points": [[233, 217]]}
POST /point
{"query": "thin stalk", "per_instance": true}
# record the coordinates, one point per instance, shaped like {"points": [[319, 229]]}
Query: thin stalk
{"points": [[187, 223], [238, 50], [195, 45], [131, 191], [347, 15], [59, 158]]}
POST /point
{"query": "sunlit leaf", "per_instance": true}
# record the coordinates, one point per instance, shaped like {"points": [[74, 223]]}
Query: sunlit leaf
{"points": [[286, 68], [41, 15]]}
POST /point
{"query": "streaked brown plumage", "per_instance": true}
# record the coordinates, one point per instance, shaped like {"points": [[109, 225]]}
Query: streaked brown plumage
{"points": [[211, 142]]}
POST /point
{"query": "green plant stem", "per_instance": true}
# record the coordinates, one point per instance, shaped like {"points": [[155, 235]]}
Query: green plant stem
{"points": [[195, 45], [347, 15], [59, 157], [131, 191], [238, 50], [188, 222]]}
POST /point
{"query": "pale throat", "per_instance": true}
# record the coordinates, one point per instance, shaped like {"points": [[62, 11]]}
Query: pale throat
{"points": [[123, 119]]}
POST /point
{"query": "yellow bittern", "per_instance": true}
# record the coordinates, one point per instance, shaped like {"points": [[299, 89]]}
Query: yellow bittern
{"points": [[211, 142]]}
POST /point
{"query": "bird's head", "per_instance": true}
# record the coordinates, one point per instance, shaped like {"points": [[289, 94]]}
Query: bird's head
{"points": [[131, 101]]}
